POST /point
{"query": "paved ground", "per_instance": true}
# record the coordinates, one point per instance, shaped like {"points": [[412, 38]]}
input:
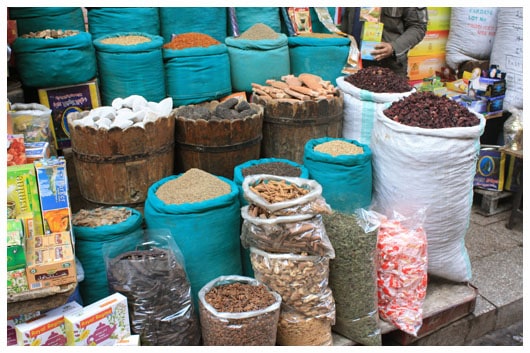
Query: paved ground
{"points": [[508, 336]]}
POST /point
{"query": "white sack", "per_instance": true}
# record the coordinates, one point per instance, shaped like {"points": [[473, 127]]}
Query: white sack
{"points": [[417, 167]]}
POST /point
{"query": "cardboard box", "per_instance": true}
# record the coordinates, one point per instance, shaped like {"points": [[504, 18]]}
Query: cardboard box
{"points": [[439, 18], [46, 329], [52, 182], [15, 232], [37, 150], [490, 169], [432, 44], [514, 173], [50, 265], [372, 31], [23, 197], [64, 100], [17, 281], [132, 340], [480, 104], [420, 67], [12, 321], [366, 49], [102, 323]]}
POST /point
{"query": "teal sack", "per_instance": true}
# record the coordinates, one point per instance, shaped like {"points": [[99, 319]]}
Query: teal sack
{"points": [[249, 16], [126, 70], [207, 20], [255, 61], [346, 179], [206, 232], [89, 245], [55, 62], [108, 20], [34, 19], [325, 57], [197, 74]]}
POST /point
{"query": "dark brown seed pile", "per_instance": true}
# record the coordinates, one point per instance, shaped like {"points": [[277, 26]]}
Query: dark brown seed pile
{"points": [[239, 297], [272, 168], [232, 108], [427, 110], [379, 80]]}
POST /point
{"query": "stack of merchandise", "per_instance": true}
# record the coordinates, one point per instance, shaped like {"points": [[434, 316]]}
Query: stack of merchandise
{"points": [[428, 56], [290, 252]]}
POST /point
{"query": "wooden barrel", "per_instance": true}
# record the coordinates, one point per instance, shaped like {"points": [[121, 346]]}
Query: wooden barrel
{"points": [[288, 126], [217, 146], [117, 166]]}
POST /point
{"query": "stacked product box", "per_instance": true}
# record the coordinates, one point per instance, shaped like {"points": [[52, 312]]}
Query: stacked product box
{"points": [[428, 56], [16, 259], [371, 35], [64, 100], [13, 321], [23, 198], [102, 323], [47, 329]]}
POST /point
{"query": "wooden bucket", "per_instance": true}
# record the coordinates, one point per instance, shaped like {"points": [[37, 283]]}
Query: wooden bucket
{"points": [[217, 146], [288, 126], [116, 166]]}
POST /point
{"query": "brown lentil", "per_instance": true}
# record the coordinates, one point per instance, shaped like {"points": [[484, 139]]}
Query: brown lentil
{"points": [[338, 147], [126, 40], [194, 185], [259, 31], [190, 40]]}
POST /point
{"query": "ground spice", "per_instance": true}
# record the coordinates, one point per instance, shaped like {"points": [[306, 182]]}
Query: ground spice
{"points": [[319, 35], [295, 329], [126, 40], [194, 185], [259, 31], [190, 40], [338, 147]]}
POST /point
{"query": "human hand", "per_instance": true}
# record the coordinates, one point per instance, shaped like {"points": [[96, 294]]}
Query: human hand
{"points": [[382, 50]]}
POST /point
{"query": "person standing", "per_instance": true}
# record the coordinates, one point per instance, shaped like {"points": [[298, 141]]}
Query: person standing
{"points": [[403, 28]]}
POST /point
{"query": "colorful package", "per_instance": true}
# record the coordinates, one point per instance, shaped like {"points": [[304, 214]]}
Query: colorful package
{"points": [[17, 281], [102, 323], [16, 150], [15, 232], [53, 192], [47, 329], [15, 320], [23, 197]]}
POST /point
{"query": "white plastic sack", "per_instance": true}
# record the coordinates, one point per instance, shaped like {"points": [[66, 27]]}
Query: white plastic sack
{"points": [[416, 168], [360, 109], [507, 52], [471, 34]]}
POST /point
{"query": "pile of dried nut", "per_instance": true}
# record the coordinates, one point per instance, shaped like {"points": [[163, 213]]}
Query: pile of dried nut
{"points": [[294, 89]]}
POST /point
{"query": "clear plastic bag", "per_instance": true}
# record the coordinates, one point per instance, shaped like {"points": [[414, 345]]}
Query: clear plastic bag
{"points": [[311, 202], [296, 329], [301, 280], [286, 234], [150, 272], [247, 328], [401, 269]]}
